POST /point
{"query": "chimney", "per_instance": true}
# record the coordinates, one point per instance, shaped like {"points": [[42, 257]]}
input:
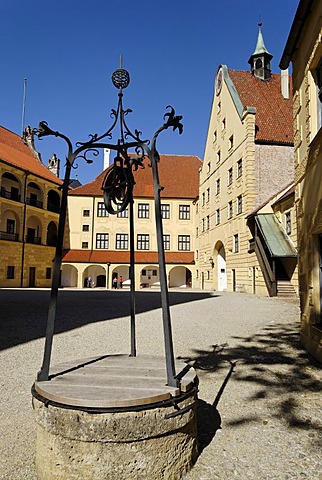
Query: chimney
{"points": [[106, 163], [284, 84]]}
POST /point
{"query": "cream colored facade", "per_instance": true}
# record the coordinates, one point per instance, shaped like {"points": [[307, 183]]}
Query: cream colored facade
{"points": [[304, 49], [238, 174], [99, 243], [29, 214]]}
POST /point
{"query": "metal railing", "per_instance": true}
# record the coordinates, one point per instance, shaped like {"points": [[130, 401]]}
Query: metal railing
{"points": [[34, 202], [13, 237], [11, 196], [32, 239]]}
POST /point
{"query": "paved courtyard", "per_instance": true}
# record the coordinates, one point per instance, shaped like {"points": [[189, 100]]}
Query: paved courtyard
{"points": [[259, 411]]}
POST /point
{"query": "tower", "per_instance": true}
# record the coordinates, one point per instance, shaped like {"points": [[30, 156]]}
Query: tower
{"points": [[260, 60]]}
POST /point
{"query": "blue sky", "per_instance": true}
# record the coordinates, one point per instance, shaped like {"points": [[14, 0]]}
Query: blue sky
{"points": [[68, 50]]}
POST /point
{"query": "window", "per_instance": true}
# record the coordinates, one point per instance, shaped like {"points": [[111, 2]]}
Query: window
{"points": [[236, 243], [84, 244], [208, 167], [85, 228], [218, 186], [197, 254], [122, 241], [203, 198], [123, 214], [143, 210], [223, 124], [203, 225], [183, 242], [166, 242], [102, 240], [154, 273], [143, 273], [208, 194], [230, 209], [288, 226], [85, 213], [10, 272], [239, 204], [10, 226], [218, 156], [197, 273], [215, 136], [239, 168], [219, 107], [217, 216], [208, 222], [184, 212], [143, 242], [48, 273], [101, 210], [231, 142], [230, 176], [165, 210]]}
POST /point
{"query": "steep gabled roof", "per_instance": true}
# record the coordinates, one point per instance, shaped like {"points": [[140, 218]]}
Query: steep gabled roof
{"points": [[178, 174], [14, 152], [274, 115]]}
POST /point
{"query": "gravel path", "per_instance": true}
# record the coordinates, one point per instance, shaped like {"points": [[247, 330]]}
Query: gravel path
{"points": [[259, 410]]}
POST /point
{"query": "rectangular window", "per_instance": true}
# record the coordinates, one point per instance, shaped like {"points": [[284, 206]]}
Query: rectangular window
{"points": [[231, 142], [165, 210], [208, 222], [123, 214], [239, 204], [208, 195], [143, 242], [215, 136], [143, 211], [85, 228], [230, 209], [122, 241], [203, 198], [183, 242], [208, 167], [217, 216], [101, 210], [86, 213], [48, 273], [288, 226], [102, 240], [10, 272], [236, 243], [217, 186], [154, 273], [197, 254], [10, 226], [203, 225], [218, 156], [239, 168], [230, 176], [223, 124], [166, 242], [184, 212]]}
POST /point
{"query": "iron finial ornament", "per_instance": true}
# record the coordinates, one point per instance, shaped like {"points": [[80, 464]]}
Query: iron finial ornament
{"points": [[118, 184]]}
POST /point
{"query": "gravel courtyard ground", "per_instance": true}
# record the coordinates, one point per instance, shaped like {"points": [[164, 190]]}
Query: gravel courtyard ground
{"points": [[259, 410]]}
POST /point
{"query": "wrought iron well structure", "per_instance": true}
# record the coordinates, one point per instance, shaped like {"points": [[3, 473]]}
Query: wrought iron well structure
{"points": [[130, 151]]}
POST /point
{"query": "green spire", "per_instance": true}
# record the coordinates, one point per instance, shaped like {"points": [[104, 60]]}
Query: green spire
{"points": [[260, 45]]}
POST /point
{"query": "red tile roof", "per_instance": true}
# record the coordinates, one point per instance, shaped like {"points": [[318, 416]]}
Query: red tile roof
{"points": [[274, 117], [178, 174], [118, 256], [14, 152]]}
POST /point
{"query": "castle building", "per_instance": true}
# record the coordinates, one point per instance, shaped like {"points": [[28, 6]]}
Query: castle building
{"points": [[304, 50], [29, 214], [248, 159], [99, 249]]}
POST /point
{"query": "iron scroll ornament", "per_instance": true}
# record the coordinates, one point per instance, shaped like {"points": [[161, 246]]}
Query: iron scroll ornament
{"points": [[118, 194]]}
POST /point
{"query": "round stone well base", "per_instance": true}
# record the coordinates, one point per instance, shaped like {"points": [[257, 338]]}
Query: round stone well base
{"points": [[114, 417]]}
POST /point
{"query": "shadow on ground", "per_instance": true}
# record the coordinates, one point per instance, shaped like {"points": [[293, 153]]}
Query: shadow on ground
{"points": [[275, 363], [24, 312]]}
